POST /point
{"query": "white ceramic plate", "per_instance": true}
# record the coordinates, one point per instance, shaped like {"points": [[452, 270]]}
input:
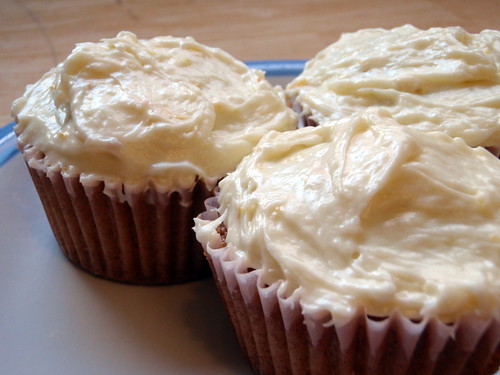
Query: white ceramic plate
{"points": [[57, 319]]}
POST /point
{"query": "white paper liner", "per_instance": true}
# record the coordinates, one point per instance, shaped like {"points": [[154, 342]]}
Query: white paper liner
{"points": [[146, 238], [279, 339]]}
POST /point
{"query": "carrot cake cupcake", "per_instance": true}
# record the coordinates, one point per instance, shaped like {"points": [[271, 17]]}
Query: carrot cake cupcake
{"points": [[126, 138], [361, 247], [437, 79]]}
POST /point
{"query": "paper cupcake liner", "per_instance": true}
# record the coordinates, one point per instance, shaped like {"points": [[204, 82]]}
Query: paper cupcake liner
{"points": [[304, 117], [278, 338], [145, 239]]}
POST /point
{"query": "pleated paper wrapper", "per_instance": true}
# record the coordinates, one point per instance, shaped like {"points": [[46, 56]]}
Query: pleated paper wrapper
{"points": [[278, 338], [146, 238]]}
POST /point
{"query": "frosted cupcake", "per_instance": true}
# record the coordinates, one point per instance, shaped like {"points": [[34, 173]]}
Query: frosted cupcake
{"points": [[438, 79], [126, 138], [361, 247]]}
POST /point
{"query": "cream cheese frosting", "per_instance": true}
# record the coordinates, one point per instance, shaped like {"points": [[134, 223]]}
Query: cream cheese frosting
{"points": [[366, 214], [164, 111], [438, 79]]}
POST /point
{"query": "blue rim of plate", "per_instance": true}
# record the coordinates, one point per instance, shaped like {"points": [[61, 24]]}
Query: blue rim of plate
{"points": [[273, 68]]}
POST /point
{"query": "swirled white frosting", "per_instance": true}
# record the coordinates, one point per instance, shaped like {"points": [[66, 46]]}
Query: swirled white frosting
{"points": [[364, 213], [164, 111], [437, 79]]}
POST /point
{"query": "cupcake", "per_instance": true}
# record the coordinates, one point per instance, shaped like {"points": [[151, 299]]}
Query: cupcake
{"points": [[126, 138], [438, 79], [360, 247]]}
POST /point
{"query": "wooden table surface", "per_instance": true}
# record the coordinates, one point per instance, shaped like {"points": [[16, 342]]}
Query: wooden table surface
{"points": [[35, 35]]}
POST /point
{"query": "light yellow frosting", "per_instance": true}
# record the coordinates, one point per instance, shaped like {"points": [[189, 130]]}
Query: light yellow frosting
{"points": [[437, 79], [164, 111], [364, 213]]}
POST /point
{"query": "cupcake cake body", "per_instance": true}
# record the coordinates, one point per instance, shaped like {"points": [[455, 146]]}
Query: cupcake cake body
{"points": [[159, 118], [438, 79], [382, 239]]}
